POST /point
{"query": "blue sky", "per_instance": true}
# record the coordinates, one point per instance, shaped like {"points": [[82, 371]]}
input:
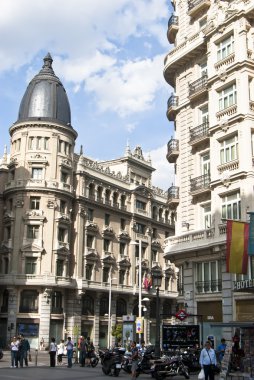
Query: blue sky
{"points": [[109, 56]]}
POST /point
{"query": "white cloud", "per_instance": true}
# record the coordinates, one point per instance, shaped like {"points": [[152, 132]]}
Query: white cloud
{"points": [[163, 177], [129, 88]]}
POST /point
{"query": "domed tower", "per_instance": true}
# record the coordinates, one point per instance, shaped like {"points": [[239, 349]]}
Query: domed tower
{"points": [[38, 202]]}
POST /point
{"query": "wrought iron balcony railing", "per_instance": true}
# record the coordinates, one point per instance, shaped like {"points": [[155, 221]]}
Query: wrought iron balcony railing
{"points": [[199, 132], [173, 21], [199, 84], [208, 286], [173, 101], [200, 183]]}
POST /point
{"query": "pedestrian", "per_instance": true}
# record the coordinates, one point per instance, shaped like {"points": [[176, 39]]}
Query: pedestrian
{"points": [[42, 344], [24, 350], [207, 360], [60, 352], [69, 347], [14, 352], [221, 349], [89, 351], [134, 360], [52, 352], [82, 351]]}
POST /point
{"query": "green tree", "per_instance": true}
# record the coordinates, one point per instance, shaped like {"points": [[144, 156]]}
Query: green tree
{"points": [[117, 332]]}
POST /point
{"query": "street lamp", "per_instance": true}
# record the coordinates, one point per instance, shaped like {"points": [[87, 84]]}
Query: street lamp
{"points": [[157, 277], [109, 306], [139, 243]]}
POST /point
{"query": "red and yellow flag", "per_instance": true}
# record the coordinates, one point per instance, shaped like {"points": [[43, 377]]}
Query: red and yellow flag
{"points": [[237, 247]]}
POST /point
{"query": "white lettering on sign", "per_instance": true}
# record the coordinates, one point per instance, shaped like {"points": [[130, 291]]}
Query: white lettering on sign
{"points": [[244, 284]]}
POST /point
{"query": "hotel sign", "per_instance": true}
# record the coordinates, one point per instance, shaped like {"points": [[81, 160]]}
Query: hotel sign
{"points": [[244, 284]]}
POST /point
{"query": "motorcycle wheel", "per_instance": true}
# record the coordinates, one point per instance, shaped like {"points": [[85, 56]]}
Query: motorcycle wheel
{"points": [[158, 376], [116, 372], [106, 371], [94, 363], [185, 373]]}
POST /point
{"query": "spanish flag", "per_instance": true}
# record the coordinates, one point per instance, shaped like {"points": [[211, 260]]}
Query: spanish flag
{"points": [[237, 247]]}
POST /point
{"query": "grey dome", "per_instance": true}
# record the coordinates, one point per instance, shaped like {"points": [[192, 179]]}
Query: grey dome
{"points": [[45, 97]]}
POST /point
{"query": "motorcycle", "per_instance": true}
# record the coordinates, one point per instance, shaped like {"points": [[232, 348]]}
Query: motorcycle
{"points": [[144, 363], [111, 361], [1, 354], [94, 360], [169, 367]]}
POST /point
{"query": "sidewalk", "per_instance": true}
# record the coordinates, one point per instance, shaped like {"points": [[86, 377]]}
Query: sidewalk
{"points": [[39, 358]]}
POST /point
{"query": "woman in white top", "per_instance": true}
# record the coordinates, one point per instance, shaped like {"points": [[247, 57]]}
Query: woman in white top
{"points": [[52, 352], [14, 352]]}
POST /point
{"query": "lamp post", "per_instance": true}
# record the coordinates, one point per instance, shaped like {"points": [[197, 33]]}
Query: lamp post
{"points": [[139, 243], [109, 307], [157, 277]]}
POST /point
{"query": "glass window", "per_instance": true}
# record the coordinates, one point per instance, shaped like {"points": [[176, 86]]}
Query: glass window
{"points": [[88, 306], [89, 272], [59, 268], [56, 307], [207, 216], [63, 206], [227, 97], [121, 307], [31, 264], [28, 301], [35, 203], [90, 214], [46, 143], [103, 306], [122, 248], [32, 232], [107, 220], [122, 276], [89, 241], [123, 224], [140, 205], [105, 274], [231, 206], [208, 277], [106, 245], [140, 228], [37, 173], [154, 255], [225, 48], [229, 150], [61, 234], [64, 177]]}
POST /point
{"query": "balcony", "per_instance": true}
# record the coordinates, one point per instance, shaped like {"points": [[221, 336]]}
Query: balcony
{"points": [[173, 27], [173, 196], [188, 242], [200, 185], [212, 286], [199, 134], [172, 106], [197, 6], [173, 150], [198, 88], [194, 46]]}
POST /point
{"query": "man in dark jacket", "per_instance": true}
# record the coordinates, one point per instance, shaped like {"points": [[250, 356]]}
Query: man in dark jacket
{"points": [[24, 350]]}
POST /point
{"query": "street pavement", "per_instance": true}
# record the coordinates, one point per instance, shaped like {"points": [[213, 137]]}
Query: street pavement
{"points": [[41, 370]]}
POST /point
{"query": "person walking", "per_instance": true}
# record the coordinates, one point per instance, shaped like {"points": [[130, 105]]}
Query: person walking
{"points": [[134, 359], [69, 347], [207, 360], [82, 351], [89, 351], [14, 352], [60, 352], [24, 350], [52, 352], [221, 349]]}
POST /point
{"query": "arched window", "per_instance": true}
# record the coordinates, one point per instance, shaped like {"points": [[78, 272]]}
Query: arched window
{"points": [[121, 307], [87, 305]]}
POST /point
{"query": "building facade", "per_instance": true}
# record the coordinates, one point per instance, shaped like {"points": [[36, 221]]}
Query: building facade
{"points": [[67, 224], [211, 70]]}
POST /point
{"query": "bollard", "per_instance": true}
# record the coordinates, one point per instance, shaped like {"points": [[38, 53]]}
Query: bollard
{"points": [[36, 357]]}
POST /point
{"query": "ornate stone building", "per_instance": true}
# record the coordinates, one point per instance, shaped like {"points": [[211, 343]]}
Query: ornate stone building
{"points": [[211, 70], [66, 224]]}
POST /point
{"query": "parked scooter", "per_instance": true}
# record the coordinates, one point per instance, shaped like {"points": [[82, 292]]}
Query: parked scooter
{"points": [[111, 361], [94, 360], [173, 366], [144, 363]]}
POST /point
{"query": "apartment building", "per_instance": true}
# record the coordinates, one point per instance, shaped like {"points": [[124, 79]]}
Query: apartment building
{"points": [[67, 224], [210, 69]]}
